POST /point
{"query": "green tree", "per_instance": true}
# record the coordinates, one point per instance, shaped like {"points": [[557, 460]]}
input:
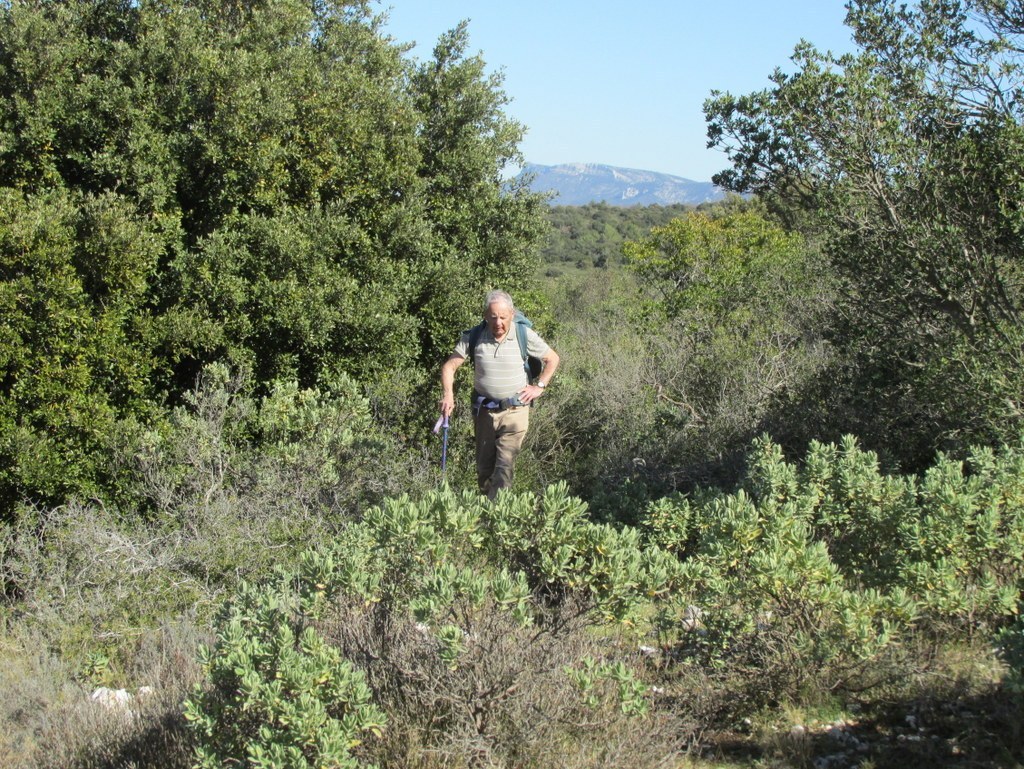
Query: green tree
{"points": [[909, 153], [484, 228], [738, 299], [73, 282], [707, 269], [297, 167], [596, 232], [270, 185]]}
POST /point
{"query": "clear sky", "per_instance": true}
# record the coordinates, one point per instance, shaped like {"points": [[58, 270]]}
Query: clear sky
{"points": [[623, 83]]}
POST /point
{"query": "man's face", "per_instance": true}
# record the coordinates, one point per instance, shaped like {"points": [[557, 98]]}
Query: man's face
{"points": [[499, 319]]}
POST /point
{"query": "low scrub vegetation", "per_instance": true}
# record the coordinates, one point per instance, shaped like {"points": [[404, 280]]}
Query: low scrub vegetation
{"points": [[440, 628]]}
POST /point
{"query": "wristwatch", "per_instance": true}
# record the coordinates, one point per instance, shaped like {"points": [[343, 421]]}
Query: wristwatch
{"points": [[541, 384]]}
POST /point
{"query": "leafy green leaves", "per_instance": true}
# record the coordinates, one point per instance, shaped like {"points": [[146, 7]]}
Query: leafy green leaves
{"points": [[829, 562], [277, 694], [73, 288], [738, 309], [905, 157], [276, 690], [273, 187]]}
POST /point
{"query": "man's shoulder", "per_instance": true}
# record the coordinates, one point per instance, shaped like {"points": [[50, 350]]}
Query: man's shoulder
{"points": [[466, 341], [536, 344], [532, 333]]}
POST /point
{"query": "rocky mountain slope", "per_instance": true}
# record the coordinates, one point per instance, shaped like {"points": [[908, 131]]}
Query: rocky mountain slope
{"points": [[576, 184]]}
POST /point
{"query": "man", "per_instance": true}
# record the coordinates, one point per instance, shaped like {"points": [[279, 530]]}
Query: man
{"points": [[502, 391]]}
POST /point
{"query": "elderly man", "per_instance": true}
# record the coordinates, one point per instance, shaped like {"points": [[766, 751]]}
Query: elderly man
{"points": [[502, 391]]}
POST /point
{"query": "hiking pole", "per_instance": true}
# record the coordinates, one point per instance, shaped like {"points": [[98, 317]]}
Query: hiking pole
{"points": [[442, 423]]}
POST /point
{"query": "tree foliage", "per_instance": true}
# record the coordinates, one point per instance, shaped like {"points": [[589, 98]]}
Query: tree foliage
{"points": [[909, 155], [274, 186], [709, 270], [680, 368], [593, 235], [72, 302], [742, 297]]}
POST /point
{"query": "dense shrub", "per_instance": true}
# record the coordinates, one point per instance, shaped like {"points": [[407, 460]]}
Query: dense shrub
{"points": [[904, 153], [953, 537], [86, 584], [476, 631], [203, 507], [603, 426], [813, 572], [277, 694], [472, 621], [314, 450], [72, 285]]}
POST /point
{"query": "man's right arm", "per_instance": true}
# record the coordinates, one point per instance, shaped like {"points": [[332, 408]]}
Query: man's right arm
{"points": [[448, 383]]}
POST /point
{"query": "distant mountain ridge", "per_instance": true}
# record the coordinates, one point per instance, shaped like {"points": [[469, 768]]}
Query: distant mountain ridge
{"points": [[576, 184]]}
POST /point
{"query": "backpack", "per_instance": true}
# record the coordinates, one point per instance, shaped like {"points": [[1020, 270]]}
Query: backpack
{"points": [[531, 364]]}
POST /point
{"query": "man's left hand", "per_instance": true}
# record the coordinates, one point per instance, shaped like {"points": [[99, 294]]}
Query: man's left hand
{"points": [[530, 393]]}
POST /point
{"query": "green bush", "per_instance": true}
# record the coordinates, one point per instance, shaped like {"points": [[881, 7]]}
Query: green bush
{"points": [[276, 694], [316, 451], [953, 538], [810, 572], [467, 614], [197, 495], [202, 509], [771, 605], [423, 553], [471, 621], [674, 365], [590, 676], [73, 280]]}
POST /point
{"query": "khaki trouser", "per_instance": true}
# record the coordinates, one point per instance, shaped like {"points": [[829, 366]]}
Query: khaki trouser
{"points": [[499, 436]]}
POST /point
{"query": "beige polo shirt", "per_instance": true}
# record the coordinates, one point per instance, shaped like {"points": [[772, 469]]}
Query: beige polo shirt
{"points": [[498, 367]]}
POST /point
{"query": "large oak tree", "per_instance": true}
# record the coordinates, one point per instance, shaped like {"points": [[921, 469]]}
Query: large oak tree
{"points": [[273, 184]]}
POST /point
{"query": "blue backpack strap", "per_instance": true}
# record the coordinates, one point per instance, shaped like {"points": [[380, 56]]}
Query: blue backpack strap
{"points": [[532, 366], [474, 339], [522, 323]]}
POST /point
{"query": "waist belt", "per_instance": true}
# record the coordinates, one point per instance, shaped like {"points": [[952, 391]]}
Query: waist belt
{"points": [[482, 402]]}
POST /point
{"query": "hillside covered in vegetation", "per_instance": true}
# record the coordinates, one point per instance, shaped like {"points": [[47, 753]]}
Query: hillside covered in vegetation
{"points": [[769, 513], [593, 235]]}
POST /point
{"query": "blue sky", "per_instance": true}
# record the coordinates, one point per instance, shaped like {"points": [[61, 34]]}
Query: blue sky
{"points": [[623, 83]]}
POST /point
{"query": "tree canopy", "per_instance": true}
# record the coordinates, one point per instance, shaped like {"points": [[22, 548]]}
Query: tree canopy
{"points": [[273, 185], [908, 154]]}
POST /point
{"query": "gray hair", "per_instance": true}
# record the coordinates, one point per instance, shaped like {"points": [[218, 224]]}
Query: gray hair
{"points": [[496, 296]]}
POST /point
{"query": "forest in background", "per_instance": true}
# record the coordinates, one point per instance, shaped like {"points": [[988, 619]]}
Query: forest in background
{"points": [[593, 235], [776, 484]]}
